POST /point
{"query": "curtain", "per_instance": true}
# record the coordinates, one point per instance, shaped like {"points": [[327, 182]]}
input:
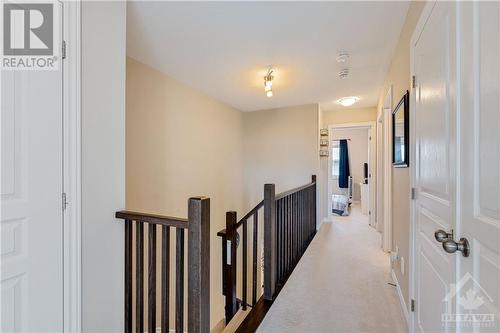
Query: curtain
{"points": [[343, 165]]}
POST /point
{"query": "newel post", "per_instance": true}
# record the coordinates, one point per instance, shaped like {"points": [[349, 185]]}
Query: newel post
{"points": [[269, 241], [231, 306], [199, 265]]}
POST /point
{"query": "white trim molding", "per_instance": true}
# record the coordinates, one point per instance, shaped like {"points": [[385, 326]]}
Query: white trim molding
{"points": [[387, 119], [72, 166], [372, 149], [404, 308], [412, 250]]}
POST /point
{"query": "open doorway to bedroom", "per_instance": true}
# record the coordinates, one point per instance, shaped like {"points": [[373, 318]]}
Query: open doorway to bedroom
{"points": [[351, 171]]}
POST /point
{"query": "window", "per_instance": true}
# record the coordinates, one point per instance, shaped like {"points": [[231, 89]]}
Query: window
{"points": [[335, 158]]}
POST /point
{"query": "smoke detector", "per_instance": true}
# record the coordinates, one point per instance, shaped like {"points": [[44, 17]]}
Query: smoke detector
{"points": [[342, 57], [343, 74]]}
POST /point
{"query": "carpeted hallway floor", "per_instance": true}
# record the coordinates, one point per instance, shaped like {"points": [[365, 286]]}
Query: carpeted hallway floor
{"points": [[340, 284]]}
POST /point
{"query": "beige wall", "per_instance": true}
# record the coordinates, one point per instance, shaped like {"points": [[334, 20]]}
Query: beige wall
{"points": [[181, 143], [280, 147], [358, 154], [344, 116], [398, 77]]}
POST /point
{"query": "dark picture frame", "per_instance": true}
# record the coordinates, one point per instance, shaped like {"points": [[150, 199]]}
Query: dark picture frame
{"points": [[401, 133]]}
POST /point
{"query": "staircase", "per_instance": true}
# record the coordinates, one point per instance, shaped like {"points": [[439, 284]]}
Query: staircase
{"points": [[289, 225]]}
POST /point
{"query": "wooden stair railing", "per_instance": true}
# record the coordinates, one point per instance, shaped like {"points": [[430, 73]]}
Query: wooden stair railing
{"points": [[230, 240], [289, 226], [198, 269]]}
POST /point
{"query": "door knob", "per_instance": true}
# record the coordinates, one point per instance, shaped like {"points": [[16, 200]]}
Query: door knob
{"points": [[462, 245], [442, 235]]}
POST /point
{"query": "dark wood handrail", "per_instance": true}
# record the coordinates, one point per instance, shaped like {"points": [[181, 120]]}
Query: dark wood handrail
{"points": [[222, 233], [292, 191], [250, 213], [177, 222]]}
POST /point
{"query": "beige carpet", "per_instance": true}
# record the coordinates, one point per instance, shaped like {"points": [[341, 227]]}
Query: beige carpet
{"points": [[340, 284]]}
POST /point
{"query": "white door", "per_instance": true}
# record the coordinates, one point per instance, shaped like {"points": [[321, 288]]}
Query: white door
{"points": [[478, 276], [31, 221], [435, 112], [457, 171]]}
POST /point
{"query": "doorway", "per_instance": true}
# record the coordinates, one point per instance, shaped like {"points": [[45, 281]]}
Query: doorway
{"points": [[40, 191], [455, 228], [359, 187]]}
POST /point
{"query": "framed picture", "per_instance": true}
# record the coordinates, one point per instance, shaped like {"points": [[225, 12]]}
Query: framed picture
{"points": [[401, 133]]}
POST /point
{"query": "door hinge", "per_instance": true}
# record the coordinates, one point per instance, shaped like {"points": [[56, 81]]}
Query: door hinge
{"points": [[413, 81], [413, 193], [63, 49], [412, 306], [65, 202]]}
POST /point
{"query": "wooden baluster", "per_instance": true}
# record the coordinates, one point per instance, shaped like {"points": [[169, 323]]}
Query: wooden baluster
{"points": [[289, 232], [199, 265], [128, 276], [245, 266], [313, 178], [254, 257], [290, 221], [179, 281], [269, 241], [231, 303], [165, 278], [152, 279], [279, 239], [282, 236], [295, 227], [139, 278], [285, 234], [301, 231]]}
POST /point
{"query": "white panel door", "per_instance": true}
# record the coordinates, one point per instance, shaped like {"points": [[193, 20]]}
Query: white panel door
{"points": [[478, 278], [435, 137], [31, 221]]}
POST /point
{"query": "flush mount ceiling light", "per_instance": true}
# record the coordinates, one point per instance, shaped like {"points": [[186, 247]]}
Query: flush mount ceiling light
{"points": [[342, 57], [268, 82], [348, 101]]}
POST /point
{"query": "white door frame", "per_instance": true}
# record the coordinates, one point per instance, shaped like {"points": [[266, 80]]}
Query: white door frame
{"points": [[386, 113], [372, 126], [72, 166], [412, 250], [379, 196]]}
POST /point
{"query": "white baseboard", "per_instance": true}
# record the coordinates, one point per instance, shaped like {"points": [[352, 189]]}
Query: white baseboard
{"points": [[404, 308]]}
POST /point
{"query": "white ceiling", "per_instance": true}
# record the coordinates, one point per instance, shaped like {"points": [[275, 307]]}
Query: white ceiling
{"points": [[224, 48]]}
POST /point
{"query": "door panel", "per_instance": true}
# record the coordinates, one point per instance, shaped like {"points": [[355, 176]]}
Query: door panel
{"points": [[31, 222], [480, 162], [435, 111]]}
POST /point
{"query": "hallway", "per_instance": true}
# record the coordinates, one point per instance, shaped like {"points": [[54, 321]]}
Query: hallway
{"points": [[340, 284]]}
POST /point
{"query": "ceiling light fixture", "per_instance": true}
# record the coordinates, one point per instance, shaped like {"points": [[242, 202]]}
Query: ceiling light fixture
{"points": [[348, 101], [268, 82]]}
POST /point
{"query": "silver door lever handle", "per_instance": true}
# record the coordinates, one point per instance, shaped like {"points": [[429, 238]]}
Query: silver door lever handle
{"points": [[442, 236]]}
